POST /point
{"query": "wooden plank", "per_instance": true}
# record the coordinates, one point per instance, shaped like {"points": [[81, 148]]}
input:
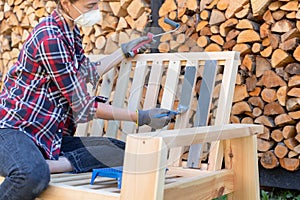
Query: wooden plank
{"points": [[135, 95], [187, 92], [82, 128], [208, 186], [118, 101], [243, 161], [144, 168], [105, 90], [58, 192], [224, 108], [171, 84], [189, 56], [203, 109], [152, 89], [196, 135], [182, 120]]}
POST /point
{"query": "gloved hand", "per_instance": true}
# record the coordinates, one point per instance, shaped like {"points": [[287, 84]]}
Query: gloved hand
{"points": [[127, 48], [156, 117]]}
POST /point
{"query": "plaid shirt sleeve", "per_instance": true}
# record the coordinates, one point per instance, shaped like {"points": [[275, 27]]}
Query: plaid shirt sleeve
{"points": [[61, 64], [91, 71]]}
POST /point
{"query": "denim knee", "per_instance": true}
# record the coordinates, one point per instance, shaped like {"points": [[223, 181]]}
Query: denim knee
{"points": [[38, 179], [29, 182]]}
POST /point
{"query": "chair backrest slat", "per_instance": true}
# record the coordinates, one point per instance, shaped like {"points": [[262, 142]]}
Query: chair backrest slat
{"points": [[224, 108], [153, 88], [203, 109], [119, 96], [135, 95], [105, 90]]}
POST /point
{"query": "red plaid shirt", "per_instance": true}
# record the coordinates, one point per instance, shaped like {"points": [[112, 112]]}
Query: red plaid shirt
{"points": [[45, 93]]}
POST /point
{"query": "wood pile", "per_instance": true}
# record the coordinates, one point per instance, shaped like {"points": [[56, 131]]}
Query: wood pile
{"points": [[122, 21], [267, 34]]}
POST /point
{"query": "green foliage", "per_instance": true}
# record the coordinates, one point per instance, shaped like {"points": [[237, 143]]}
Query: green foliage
{"points": [[280, 194], [221, 198]]}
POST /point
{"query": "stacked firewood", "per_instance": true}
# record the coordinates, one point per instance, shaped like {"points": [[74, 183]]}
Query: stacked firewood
{"points": [[267, 34], [122, 21]]}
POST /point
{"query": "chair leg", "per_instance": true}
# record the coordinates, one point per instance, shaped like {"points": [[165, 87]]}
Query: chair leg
{"points": [[144, 169], [241, 156]]}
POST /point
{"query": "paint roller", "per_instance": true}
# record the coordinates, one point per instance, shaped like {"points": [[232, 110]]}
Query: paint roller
{"points": [[151, 36]]}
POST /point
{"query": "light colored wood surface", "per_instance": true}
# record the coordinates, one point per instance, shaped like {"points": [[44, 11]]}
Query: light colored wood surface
{"points": [[203, 109]]}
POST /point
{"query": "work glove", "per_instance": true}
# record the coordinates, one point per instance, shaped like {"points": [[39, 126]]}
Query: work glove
{"points": [[156, 117], [138, 45]]}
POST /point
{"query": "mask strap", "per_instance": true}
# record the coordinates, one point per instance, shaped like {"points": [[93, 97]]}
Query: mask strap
{"points": [[77, 9], [66, 15]]}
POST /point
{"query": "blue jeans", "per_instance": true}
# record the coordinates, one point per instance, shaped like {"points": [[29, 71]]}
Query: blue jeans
{"points": [[23, 166], [27, 173], [87, 153]]}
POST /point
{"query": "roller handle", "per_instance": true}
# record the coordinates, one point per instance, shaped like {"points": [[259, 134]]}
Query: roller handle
{"points": [[171, 22], [135, 49]]}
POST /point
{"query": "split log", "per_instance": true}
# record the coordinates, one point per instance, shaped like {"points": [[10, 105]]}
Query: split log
{"points": [[277, 135], [273, 108], [290, 164], [289, 132], [293, 104], [298, 131], [262, 65], [251, 83], [265, 135], [294, 92], [281, 150], [282, 26], [270, 79], [296, 53], [293, 68], [255, 92], [248, 36], [256, 101], [291, 143], [264, 145], [295, 115], [240, 107], [240, 93], [269, 95], [269, 160], [282, 95], [283, 119], [294, 81], [281, 58], [267, 121]]}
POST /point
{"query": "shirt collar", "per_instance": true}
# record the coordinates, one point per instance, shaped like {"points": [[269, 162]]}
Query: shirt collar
{"points": [[64, 27]]}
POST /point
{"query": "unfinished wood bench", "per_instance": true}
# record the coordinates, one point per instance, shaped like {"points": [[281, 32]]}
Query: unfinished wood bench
{"points": [[154, 166]]}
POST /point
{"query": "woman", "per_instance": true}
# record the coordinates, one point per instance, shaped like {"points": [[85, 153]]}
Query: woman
{"points": [[45, 96]]}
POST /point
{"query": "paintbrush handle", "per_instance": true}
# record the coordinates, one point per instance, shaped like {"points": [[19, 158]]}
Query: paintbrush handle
{"points": [[166, 114]]}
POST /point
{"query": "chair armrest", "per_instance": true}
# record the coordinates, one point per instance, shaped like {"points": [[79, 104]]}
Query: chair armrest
{"points": [[197, 135]]}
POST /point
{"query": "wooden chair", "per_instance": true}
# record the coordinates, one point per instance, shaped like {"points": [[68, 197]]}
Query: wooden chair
{"points": [[154, 167]]}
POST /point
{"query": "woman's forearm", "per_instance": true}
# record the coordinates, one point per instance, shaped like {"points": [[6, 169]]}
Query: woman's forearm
{"points": [[108, 62], [106, 111]]}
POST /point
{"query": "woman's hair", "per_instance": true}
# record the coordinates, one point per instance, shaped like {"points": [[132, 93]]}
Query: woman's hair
{"points": [[58, 1], [59, 4], [72, 1]]}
